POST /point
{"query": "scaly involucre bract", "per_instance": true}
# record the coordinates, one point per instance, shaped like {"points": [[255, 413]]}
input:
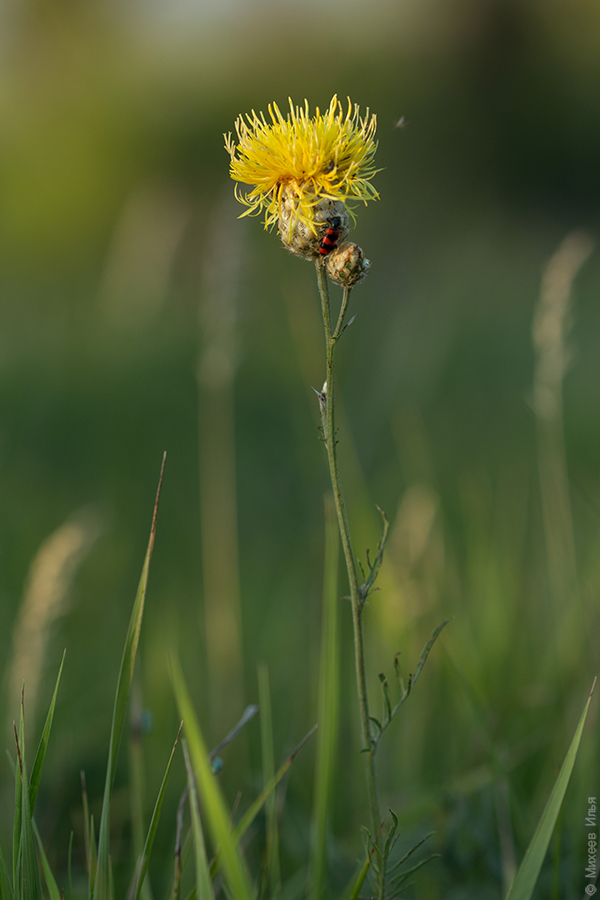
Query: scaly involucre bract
{"points": [[303, 159]]}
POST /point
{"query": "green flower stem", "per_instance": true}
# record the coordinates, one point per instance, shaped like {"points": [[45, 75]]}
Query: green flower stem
{"points": [[327, 403]]}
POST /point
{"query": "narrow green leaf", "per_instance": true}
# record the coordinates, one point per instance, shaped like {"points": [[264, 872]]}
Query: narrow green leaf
{"points": [[102, 882], [389, 841], [203, 882], [412, 680], [427, 649], [387, 703], [410, 852], [182, 852], [40, 756], [69, 868], [51, 884], [212, 799], [248, 714], [136, 788], [527, 875], [143, 867], [29, 874], [268, 767], [399, 881], [18, 808], [5, 888], [89, 838], [253, 810], [328, 705], [93, 856], [374, 567], [86, 822], [353, 890]]}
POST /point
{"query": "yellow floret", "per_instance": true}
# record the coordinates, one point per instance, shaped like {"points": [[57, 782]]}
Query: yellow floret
{"points": [[328, 156]]}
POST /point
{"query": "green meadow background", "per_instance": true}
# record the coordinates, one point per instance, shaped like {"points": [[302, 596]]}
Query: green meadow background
{"points": [[139, 315]]}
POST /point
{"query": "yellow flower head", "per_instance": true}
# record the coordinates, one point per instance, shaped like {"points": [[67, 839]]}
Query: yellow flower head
{"points": [[303, 159]]}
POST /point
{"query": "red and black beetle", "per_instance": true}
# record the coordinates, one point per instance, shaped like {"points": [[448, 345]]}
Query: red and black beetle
{"points": [[330, 238]]}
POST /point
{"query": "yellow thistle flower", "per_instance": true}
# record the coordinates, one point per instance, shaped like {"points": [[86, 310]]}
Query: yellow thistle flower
{"points": [[303, 159]]}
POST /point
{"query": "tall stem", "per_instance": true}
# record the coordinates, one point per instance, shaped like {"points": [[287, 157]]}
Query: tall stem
{"points": [[327, 403]]}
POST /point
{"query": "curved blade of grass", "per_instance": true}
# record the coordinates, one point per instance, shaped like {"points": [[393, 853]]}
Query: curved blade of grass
{"points": [[182, 848], [18, 809], [136, 886], [212, 800], [329, 705], [353, 890], [51, 884], [28, 873], [399, 881], [40, 756], [102, 883], [5, 888], [253, 810], [527, 875], [203, 882], [251, 813], [248, 714], [18, 817], [268, 767]]}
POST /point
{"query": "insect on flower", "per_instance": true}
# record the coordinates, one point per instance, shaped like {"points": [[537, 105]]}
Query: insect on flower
{"points": [[329, 241]]}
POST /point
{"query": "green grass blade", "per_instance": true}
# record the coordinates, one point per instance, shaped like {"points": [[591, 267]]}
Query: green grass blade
{"points": [[143, 868], [93, 856], [251, 813], [248, 714], [102, 882], [69, 869], [329, 705], [182, 852], [51, 884], [268, 766], [253, 810], [527, 875], [28, 871], [212, 800], [203, 882], [86, 822], [136, 793], [89, 838], [40, 756], [353, 890], [5, 888], [18, 807]]}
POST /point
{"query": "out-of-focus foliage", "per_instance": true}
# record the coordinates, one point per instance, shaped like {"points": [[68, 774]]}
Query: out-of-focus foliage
{"points": [[137, 315]]}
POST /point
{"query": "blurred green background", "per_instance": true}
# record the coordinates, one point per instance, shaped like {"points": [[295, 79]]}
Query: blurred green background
{"points": [[138, 315]]}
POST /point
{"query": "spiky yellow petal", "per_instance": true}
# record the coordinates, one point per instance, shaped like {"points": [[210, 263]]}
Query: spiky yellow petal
{"points": [[327, 156]]}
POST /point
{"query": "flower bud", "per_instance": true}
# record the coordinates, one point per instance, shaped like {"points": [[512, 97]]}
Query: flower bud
{"points": [[330, 219], [347, 265]]}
